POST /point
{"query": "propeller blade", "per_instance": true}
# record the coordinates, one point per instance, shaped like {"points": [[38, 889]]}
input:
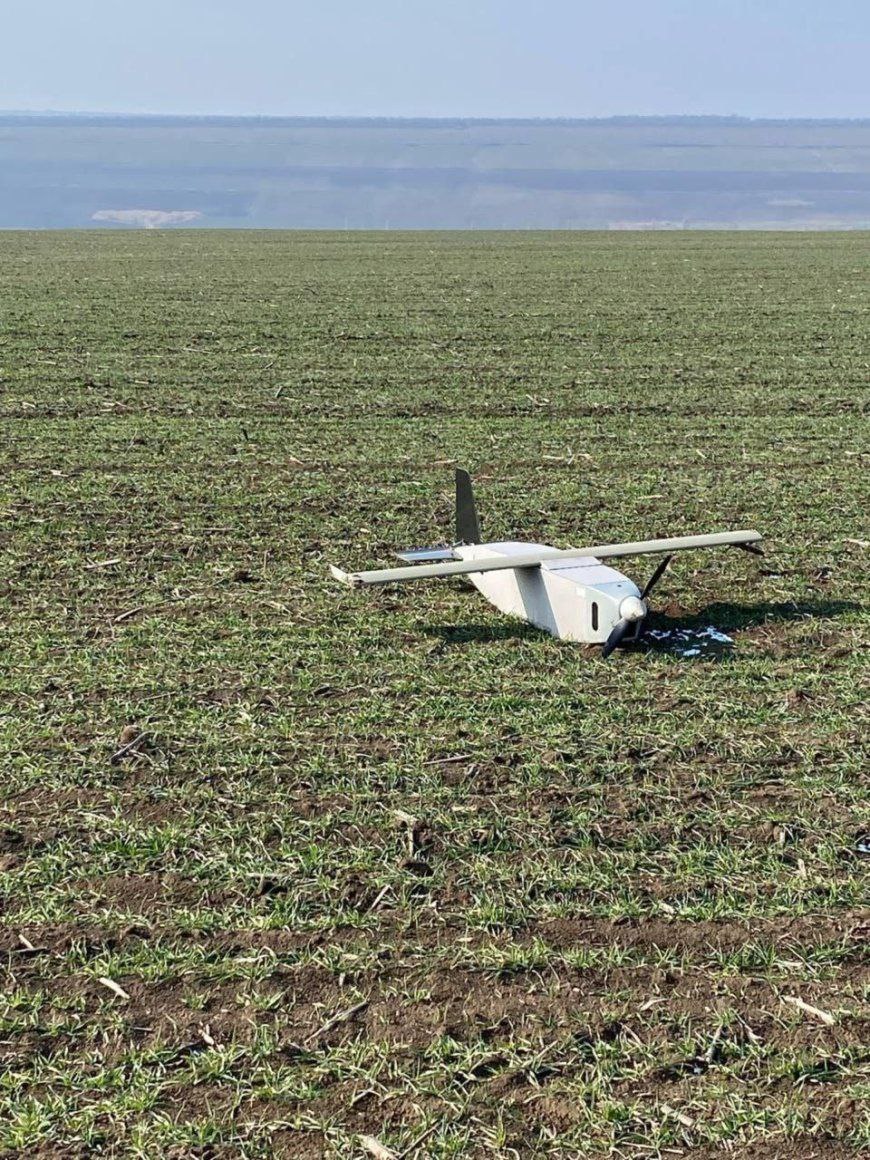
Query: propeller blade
{"points": [[616, 634], [656, 576]]}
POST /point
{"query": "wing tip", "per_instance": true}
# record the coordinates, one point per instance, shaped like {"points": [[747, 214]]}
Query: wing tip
{"points": [[750, 542], [343, 577]]}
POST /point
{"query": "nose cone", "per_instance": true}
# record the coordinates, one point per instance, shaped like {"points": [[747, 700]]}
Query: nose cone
{"points": [[632, 609]]}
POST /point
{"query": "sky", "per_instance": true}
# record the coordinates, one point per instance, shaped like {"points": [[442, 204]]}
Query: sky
{"points": [[457, 58]]}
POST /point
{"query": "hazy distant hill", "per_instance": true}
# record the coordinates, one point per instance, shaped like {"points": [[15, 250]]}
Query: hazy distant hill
{"points": [[123, 172]]}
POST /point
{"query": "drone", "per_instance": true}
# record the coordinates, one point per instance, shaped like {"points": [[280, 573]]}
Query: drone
{"points": [[570, 594]]}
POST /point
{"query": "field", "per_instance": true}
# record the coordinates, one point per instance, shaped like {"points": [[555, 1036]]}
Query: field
{"points": [[385, 870]]}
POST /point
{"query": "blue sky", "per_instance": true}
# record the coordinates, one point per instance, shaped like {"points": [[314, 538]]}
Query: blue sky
{"points": [[454, 58]]}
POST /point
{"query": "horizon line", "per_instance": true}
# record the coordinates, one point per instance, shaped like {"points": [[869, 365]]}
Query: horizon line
{"points": [[94, 114]]}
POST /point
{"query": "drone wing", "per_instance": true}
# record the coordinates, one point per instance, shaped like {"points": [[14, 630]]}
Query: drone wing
{"points": [[534, 559]]}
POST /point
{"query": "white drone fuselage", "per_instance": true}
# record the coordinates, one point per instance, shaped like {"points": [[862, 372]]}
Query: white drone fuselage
{"points": [[569, 593], [578, 599]]}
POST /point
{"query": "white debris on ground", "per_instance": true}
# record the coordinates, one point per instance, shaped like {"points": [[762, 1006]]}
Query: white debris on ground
{"points": [[690, 642]]}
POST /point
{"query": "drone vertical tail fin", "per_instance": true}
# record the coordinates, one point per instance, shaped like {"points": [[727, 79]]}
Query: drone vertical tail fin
{"points": [[467, 524]]}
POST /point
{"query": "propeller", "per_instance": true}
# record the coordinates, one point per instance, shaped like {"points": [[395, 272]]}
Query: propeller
{"points": [[616, 634], [633, 609], [656, 576]]}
